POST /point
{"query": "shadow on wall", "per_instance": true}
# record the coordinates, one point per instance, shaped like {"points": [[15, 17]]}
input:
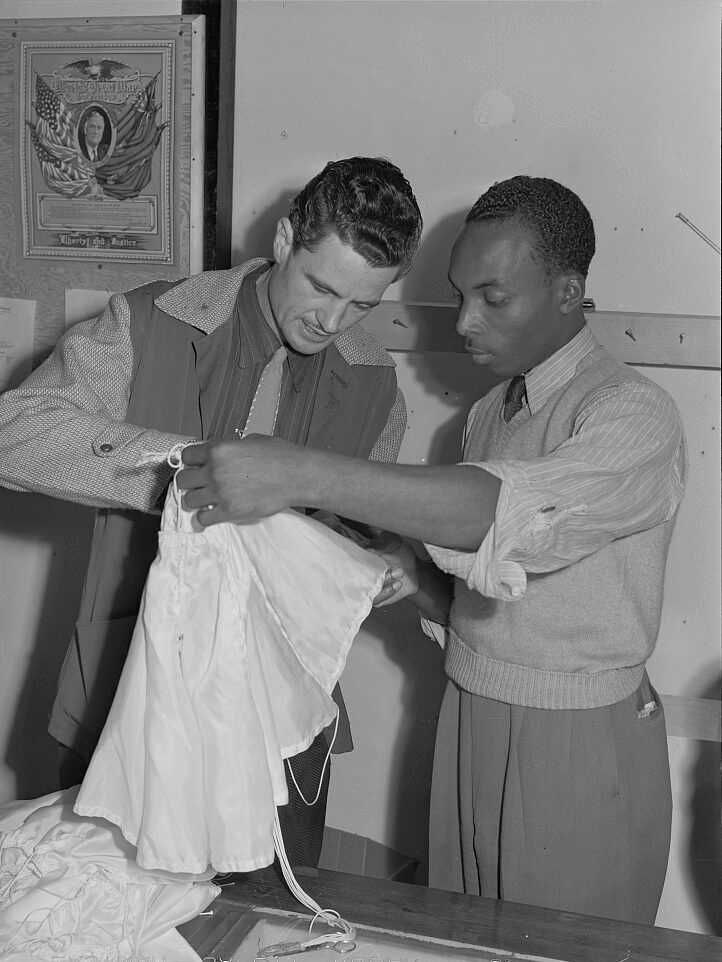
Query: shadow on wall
{"points": [[431, 264], [421, 663], [453, 378], [705, 840], [260, 232], [64, 529]]}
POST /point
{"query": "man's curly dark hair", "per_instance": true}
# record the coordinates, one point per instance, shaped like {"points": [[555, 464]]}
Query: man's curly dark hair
{"points": [[368, 202], [555, 216]]}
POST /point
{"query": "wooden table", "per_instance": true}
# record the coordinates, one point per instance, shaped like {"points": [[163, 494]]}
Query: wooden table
{"points": [[416, 910]]}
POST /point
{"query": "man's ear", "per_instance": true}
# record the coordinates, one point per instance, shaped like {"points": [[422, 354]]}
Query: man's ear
{"points": [[571, 292], [283, 241]]}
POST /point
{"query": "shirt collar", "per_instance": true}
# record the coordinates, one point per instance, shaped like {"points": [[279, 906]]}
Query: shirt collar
{"points": [[257, 339], [264, 302], [558, 369], [298, 364]]}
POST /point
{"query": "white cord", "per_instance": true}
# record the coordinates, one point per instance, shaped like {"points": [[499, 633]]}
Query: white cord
{"points": [[329, 916], [323, 770], [172, 457], [175, 455], [346, 933]]}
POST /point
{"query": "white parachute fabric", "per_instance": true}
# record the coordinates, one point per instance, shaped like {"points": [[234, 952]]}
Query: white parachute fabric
{"points": [[242, 634], [70, 889]]}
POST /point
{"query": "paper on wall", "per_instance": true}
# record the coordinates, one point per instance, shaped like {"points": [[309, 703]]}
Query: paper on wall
{"points": [[81, 305], [17, 328]]}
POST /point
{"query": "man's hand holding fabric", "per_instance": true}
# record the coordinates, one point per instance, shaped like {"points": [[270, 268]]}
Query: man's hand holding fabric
{"points": [[240, 480]]}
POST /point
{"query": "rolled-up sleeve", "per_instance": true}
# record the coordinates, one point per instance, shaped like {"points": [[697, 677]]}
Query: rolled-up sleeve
{"points": [[622, 471], [63, 433]]}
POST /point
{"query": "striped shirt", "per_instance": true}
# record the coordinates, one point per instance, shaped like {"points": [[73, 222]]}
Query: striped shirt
{"points": [[621, 471]]}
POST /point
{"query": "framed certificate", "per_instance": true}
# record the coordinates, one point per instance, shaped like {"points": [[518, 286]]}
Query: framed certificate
{"points": [[104, 159]]}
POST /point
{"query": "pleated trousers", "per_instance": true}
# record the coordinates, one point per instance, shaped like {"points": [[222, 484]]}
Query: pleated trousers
{"points": [[570, 810]]}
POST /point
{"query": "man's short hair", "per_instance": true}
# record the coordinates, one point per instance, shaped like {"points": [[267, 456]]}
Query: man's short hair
{"points": [[368, 203], [93, 113], [558, 220]]}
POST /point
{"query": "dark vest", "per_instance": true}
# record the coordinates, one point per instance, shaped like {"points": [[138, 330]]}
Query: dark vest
{"points": [[352, 406]]}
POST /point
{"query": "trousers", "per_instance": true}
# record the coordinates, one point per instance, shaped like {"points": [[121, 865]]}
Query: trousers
{"points": [[569, 810]]}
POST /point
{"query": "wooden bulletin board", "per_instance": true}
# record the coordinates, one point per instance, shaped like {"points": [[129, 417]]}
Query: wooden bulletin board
{"points": [[76, 220]]}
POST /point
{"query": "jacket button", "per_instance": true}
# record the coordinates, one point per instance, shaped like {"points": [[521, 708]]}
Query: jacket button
{"points": [[106, 447]]}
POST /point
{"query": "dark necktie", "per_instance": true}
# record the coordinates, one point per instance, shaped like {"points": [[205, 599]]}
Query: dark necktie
{"points": [[514, 398]]}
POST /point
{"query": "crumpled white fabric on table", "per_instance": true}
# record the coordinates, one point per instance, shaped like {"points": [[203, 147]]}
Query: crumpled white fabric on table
{"points": [[242, 634], [70, 889]]}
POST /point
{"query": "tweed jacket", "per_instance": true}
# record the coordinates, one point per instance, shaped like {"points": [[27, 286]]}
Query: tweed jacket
{"points": [[64, 433]]}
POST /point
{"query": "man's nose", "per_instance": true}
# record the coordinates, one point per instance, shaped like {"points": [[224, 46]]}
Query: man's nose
{"points": [[463, 326], [331, 315]]}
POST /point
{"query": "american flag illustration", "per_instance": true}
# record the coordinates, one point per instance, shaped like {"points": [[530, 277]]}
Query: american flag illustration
{"points": [[52, 137], [52, 113]]}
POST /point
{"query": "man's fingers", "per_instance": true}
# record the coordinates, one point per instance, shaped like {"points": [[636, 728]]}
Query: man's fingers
{"points": [[382, 596], [209, 515], [385, 596], [190, 478], [388, 589], [198, 498], [195, 454], [236, 476]]}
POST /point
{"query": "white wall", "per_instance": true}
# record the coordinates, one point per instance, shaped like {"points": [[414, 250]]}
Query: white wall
{"points": [[619, 100]]}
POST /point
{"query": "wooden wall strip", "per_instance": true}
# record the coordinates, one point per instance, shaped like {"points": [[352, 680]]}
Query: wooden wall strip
{"points": [[698, 718], [198, 99], [226, 116], [676, 340]]}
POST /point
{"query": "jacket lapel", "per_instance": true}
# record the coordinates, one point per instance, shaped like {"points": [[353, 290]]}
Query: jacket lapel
{"points": [[332, 401]]}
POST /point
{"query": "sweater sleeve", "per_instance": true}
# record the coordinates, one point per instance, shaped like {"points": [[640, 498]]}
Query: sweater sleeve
{"points": [[63, 433], [622, 471]]}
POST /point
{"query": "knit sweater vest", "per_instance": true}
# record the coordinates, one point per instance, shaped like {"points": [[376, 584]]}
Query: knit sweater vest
{"points": [[580, 636]]}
